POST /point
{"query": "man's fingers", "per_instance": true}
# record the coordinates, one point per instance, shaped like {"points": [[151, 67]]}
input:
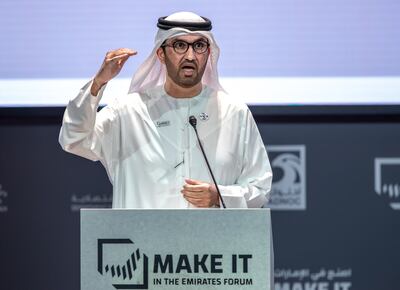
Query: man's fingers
{"points": [[191, 194], [192, 181], [199, 199], [112, 64], [196, 202], [121, 51], [118, 57], [199, 193], [118, 60], [198, 188], [122, 62]]}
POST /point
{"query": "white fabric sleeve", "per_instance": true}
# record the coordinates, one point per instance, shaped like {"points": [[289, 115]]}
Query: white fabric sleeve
{"points": [[253, 186], [84, 129]]}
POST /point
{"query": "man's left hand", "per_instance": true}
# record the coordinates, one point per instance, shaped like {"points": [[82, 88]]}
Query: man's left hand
{"points": [[200, 194]]}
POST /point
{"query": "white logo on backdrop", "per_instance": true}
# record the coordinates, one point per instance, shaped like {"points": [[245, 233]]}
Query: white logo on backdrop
{"points": [[324, 278], [3, 196], [289, 185], [90, 201], [387, 180]]}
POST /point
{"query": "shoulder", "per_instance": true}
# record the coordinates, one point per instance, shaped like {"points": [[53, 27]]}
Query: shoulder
{"points": [[127, 103], [231, 100], [230, 103]]}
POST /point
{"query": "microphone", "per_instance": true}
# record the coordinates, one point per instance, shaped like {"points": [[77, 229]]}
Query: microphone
{"points": [[193, 122]]}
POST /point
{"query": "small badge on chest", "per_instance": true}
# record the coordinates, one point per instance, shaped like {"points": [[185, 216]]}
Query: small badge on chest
{"points": [[160, 124], [203, 116]]}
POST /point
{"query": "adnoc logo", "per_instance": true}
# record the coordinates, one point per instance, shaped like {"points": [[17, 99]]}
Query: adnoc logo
{"points": [[289, 186], [387, 180], [3, 196]]}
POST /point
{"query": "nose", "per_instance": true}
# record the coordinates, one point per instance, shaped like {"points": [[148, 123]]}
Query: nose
{"points": [[190, 53]]}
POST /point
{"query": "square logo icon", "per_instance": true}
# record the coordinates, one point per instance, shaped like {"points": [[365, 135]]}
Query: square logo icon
{"points": [[387, 180], [126, 267]]}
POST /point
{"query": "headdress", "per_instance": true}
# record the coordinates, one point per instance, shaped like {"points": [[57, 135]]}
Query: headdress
{"points": [[152, 73]]}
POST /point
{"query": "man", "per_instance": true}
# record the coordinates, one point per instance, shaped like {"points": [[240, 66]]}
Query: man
{"points": [[144, 139]]}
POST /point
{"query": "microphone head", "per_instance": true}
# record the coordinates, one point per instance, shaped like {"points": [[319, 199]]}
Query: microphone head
{"points": [[193, 121]]}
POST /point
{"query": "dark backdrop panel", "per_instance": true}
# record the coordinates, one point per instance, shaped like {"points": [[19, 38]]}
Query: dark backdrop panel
{"points": [[40, 231], [346, 226]]}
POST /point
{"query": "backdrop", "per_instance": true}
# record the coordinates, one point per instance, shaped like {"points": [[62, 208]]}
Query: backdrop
{"points": [[335, 205]]}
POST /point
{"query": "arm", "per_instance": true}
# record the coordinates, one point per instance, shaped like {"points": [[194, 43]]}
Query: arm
{"points": [[253, 184], [79, 133], [83, 129]]}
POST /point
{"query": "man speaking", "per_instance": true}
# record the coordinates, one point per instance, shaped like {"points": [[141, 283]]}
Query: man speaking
{"points": [[145, 139]]}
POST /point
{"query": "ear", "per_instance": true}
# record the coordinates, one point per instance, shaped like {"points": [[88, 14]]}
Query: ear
{"points": [[161, 55]]}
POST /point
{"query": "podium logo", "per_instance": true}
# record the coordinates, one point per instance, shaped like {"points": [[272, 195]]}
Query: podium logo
{"points": [[3, 197], [387, 180], [289, 186], [125, 266]]}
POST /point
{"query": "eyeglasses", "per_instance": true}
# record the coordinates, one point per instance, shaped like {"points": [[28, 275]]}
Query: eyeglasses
{"points": [[181, 46]]}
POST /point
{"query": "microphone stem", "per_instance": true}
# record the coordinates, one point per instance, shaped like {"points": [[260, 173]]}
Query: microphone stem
{"points": [[209, 168]]}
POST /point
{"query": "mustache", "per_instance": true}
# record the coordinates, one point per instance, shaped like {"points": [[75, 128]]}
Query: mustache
{"points": [[188, 64]]}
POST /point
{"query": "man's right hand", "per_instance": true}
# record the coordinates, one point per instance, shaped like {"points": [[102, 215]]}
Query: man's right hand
{"points": [[112, 65]]}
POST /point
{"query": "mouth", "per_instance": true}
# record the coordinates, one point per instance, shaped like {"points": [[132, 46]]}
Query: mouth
{"points": [[188, 69]]}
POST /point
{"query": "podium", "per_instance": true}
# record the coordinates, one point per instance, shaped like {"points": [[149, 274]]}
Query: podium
{"points": [[176, 249]]}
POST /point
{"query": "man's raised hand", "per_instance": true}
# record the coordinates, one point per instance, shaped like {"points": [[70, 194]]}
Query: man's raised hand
{"points": [[112, 65]]}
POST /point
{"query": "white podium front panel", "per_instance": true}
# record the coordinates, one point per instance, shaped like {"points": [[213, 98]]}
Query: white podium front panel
{"points": [[176, 249]]}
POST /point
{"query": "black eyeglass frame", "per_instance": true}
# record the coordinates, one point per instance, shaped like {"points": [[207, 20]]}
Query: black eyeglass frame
{"points": [[187, 47]]}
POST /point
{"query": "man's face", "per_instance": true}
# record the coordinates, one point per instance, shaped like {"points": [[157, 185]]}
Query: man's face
{"points": [[186, 69]]}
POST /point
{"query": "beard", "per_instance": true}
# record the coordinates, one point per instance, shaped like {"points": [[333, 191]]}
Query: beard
{"points": [[188, 74]]}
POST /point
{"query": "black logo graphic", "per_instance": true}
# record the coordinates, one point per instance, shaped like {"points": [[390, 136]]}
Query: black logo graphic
{"points": [[125, 272]]}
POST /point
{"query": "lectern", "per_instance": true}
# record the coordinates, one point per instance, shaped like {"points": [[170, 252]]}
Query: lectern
{"points": [[176, 249]]}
